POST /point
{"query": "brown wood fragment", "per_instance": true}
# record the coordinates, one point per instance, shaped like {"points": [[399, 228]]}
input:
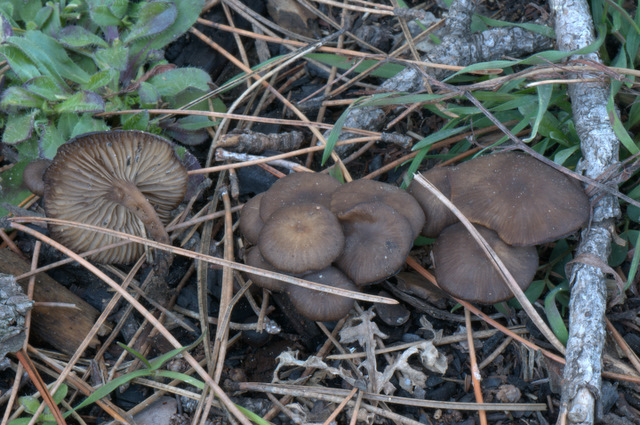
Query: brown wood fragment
{"points": [[251, 142], [62, 328]]}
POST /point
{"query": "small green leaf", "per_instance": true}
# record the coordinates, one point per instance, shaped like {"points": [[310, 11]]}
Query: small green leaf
{"points": [[535, 28], [139, 121], [47, 88], [135, 354], [19, 62], [633, 268], [51, 139], [174, 81], [116, 57], [553, 315], [15, 97], [19, 127], [77, 36], [188, 12], [156, 363], [154, 17], [20, 421], [438, 136], [103, 16], [149, 96], [30, 404], [544, 95], [100, 79], [111, 386], [87, 124], [82, 101], [386, 70], [28, 10], [335, 133]]}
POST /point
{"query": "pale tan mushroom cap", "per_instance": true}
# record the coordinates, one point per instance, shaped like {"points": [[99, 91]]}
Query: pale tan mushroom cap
{"points": [[464, 271], [301, 238], [524, 200], [349, 195], [298, 189], [79, 180]]}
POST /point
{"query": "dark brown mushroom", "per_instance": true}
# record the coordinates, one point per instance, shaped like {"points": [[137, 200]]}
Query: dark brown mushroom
{"points": [[348, 195], [33, 175], [250, 221], [129, 181], [322, 306], [464, 271], [524, 200], [437, 215], [298, 189], [377, 242], [254, 258], [301, 238]]}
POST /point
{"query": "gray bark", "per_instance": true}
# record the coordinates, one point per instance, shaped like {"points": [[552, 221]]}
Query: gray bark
{"points": [[460, 48], [599, 145], [14, 305]]}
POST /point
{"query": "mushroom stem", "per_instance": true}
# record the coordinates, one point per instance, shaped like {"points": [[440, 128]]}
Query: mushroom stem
{"points": [[129, 196]]}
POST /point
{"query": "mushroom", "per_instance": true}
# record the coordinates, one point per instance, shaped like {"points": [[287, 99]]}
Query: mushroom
{"points": [[301, 238], [348, 195], [437, 215], [250, 221], [464, 271], [129, 181], [33, 175], [524, 200], [377, 242], [254, 258], [322, 306], [298, 189]]}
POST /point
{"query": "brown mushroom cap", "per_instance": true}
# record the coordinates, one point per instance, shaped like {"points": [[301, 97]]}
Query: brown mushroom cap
{"points": [[298, 189], [33, 175], [254, 258], [321, 306], [377, 242], [464, 271], [348, 195], [91, 176], [524, 200], [437, 215], [250, 221], [301, 238]]}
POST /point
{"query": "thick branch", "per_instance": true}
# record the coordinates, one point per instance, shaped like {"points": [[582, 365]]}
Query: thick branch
{"points": [[582, 373]]}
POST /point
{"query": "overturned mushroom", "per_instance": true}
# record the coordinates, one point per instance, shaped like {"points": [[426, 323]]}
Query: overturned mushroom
{"points": [[128, 181], [464, 271]]}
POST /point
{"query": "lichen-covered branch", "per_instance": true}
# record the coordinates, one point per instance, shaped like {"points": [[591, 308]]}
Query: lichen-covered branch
{"points": [[459, 47], [582, 383]]}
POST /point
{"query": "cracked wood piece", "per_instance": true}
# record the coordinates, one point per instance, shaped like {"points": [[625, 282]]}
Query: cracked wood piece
{"points": [[61, 327]]}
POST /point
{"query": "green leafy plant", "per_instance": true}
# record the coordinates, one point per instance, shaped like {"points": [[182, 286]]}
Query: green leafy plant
{"points": [[69, 61], [31, 405]]}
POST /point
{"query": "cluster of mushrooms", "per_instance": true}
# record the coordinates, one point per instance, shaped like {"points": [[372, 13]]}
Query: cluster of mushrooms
{"points": [[515, 202], [312, 226], [347, 236]]}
